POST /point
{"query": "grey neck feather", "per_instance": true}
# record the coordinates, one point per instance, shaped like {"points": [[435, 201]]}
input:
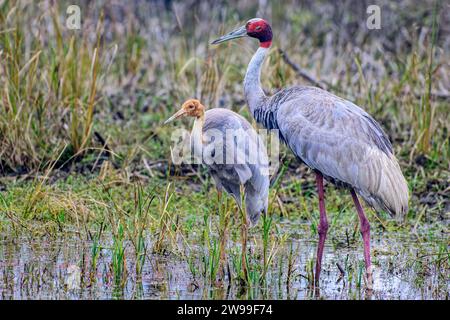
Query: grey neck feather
{"points": [[254, 94]]}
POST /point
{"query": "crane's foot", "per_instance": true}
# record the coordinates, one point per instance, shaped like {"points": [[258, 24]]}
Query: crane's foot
{"points": [[223, 238], [220, 275], [322, 228], [369, 278], [316, 281], [365, 233], [244, 237], [244, 277], [314, 288], [222, 262], [219, 283]]}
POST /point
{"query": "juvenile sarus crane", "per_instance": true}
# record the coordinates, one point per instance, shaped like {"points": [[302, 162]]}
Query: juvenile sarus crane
{"points": [[337, 139], [236, 159]]}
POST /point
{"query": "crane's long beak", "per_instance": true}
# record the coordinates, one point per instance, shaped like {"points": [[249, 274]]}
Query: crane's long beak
{"points": [[180, 113], [238, 33]]}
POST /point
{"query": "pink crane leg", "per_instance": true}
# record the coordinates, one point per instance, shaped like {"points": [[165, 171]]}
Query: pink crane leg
{"points": [[323, 225], [365, 232]]}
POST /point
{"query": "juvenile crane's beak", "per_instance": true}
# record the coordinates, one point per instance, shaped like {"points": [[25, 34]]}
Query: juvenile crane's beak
{"points": [[238, 33], [180, 113]]}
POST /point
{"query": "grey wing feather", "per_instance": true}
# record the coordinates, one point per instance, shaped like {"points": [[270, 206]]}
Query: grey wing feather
{"points": [[343, 142], [253, 175]]}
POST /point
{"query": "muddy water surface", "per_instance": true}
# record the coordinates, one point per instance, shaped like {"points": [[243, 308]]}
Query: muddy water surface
{"points": [[63, 269]]}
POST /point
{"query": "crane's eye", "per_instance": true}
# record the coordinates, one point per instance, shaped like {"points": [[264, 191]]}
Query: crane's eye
{"points": [[191, 106], [258, 28]]}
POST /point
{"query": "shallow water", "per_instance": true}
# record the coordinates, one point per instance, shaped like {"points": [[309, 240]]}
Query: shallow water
{"points": [[45, 269]]}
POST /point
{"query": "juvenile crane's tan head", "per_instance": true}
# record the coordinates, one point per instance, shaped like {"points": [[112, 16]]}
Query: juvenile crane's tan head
{"points": [[191, 108]]}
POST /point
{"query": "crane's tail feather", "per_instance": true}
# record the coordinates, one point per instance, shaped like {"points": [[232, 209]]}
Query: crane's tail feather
{"points": [[389, 191]]}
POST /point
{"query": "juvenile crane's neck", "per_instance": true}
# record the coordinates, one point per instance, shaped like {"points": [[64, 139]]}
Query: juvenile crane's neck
{"points": [[197, 136], [254, 94]]}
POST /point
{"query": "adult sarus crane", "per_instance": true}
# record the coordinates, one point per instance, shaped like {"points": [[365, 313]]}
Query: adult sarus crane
{"points": [[235, 157], [337, 139]]}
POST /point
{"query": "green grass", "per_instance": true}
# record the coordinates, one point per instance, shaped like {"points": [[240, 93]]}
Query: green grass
{"points": [[192, 235]]}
